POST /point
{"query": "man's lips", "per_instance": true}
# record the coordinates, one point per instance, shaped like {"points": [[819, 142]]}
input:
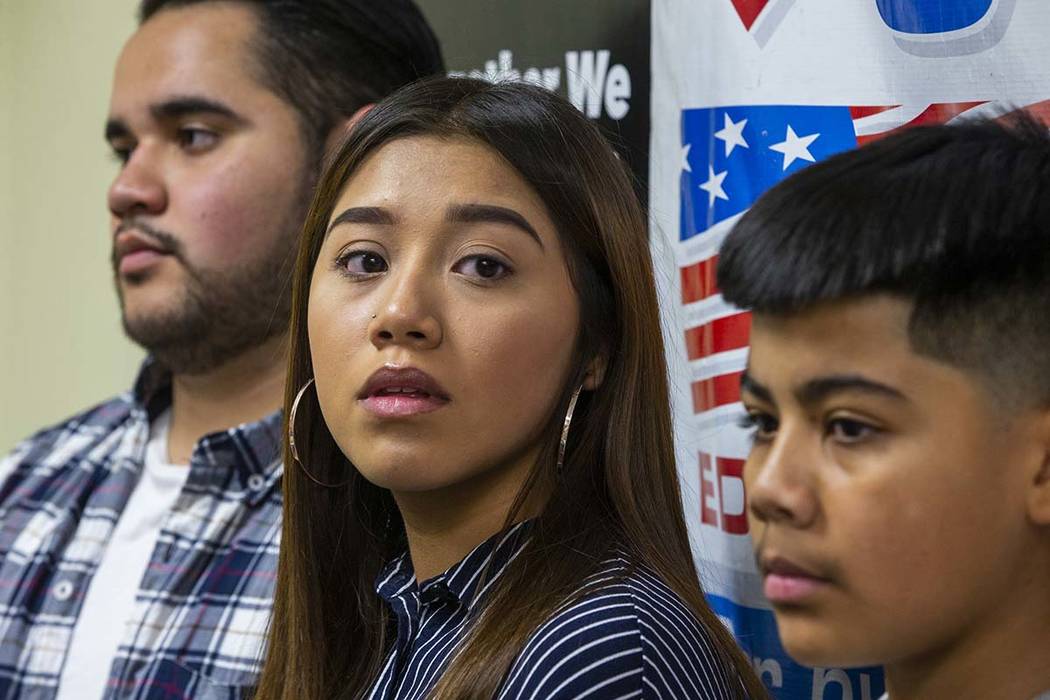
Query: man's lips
{"points": [[134, 252], [400, 392], [787, 583]]}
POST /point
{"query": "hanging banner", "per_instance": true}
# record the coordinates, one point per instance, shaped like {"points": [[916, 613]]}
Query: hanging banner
{"points": [[745, 93], [593, 52]]}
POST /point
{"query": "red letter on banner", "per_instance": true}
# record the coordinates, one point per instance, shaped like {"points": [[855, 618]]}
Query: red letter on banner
{"points": [[732, 469], [708, 500], [718, 473]]}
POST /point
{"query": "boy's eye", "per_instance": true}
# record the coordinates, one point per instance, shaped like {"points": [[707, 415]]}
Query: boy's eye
{"points": [[363, 262], [847, 430], [762, 425], [483, 267]]}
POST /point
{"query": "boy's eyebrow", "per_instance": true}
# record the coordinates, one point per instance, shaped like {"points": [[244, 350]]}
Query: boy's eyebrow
{"points": [[748, 384], [816, 390]]}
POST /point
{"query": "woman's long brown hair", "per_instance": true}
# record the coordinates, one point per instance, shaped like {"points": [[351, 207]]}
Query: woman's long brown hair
{"points": [[619, 485]]}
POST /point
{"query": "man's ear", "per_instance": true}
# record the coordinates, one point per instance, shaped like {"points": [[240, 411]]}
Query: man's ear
{"points": [[1039, 485], [361, 111], [343, 127], [595, 373]]}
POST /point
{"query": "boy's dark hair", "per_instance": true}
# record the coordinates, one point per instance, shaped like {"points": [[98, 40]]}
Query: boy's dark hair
{"points": [[329, 58], [954, 218]]}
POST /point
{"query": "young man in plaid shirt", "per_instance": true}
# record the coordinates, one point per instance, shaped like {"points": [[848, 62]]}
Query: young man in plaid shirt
{"points": [[139, 538]]}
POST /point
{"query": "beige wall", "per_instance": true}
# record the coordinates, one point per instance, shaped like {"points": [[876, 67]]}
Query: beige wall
{"points": [[6, 217], [61, 347]]}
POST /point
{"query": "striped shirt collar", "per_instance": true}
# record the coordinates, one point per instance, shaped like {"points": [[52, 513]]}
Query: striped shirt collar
{"points": [[462, 582]]}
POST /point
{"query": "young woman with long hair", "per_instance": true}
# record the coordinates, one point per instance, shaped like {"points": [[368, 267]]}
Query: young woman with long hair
{"points": [[481, 497]]}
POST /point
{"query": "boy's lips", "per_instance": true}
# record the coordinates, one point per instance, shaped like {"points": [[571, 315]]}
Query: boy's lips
{"points": [[788, 583]]}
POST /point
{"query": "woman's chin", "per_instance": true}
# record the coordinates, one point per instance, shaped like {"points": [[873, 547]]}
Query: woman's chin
{"points": [[407, 476]]}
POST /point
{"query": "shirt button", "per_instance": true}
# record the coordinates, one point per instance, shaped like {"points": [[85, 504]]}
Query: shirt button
{"points": [[62, 590], [255, 482]]}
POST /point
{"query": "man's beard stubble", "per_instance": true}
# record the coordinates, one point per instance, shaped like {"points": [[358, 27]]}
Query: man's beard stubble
{"points": [[221, 314]]}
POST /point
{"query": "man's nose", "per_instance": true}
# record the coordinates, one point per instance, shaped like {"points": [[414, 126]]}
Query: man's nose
{"points": [[139, 187]]}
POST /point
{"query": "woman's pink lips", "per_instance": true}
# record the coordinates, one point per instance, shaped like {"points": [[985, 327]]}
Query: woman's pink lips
{"points": [[401, 405], [401, 392]]}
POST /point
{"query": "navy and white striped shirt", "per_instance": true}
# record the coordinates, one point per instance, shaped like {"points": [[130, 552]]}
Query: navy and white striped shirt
{"points": [[630, 637]]}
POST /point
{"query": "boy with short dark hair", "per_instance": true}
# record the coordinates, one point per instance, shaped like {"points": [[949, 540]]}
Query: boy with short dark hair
{"points": [[898, 388]]}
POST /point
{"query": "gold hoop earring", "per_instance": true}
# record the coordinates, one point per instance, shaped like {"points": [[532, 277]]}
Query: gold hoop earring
{"points": [[565, 427], [291, 440]]}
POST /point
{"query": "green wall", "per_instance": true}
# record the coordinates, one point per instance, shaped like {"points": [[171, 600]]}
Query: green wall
{"points": [[61, 347]]}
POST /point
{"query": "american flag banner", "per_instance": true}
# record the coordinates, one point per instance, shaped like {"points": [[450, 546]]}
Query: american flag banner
{"points": [[761, 17], [746, 93], [741, 152]]}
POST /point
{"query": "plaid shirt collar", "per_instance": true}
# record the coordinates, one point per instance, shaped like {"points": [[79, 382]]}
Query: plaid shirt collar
{"points": [[199, 620], [258, 444]]}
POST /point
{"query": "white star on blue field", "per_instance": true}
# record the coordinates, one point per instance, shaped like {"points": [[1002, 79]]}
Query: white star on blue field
{"points": [[731, 155]]}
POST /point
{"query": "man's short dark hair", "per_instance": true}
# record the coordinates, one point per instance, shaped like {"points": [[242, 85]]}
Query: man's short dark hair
{"points": [[954, 218], [328, 58]]}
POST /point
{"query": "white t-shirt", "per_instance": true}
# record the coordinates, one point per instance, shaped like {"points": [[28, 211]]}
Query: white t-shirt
{"points": [[110, 597]]}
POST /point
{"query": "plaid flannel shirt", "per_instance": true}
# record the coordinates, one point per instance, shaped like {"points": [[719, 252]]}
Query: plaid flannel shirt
{"points": [[203, 604]]}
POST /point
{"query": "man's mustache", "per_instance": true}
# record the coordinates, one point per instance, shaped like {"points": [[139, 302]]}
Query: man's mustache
{"points": [[162, 240]]}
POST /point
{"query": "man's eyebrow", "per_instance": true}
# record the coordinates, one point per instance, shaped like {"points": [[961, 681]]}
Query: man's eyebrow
{"points": [[748, 384], [377, 216], [816, 390], [482, 213], [173, 109], [115, 129], [183, 106]]}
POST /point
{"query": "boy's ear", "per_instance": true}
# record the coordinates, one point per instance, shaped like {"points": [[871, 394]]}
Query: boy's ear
{"points": [[595, 373], [1039, 490]]}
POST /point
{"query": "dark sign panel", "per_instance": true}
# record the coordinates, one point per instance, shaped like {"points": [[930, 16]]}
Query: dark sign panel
{"points": [[595, 52]]}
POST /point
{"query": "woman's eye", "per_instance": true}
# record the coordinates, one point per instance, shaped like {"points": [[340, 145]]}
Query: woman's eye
{"points": [[763, 427], [846, 430], [363, 262], [483, 267]]}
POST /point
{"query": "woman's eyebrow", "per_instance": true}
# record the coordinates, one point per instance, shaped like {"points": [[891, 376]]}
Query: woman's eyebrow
{"points": [[364, 215], [481, 213]]}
